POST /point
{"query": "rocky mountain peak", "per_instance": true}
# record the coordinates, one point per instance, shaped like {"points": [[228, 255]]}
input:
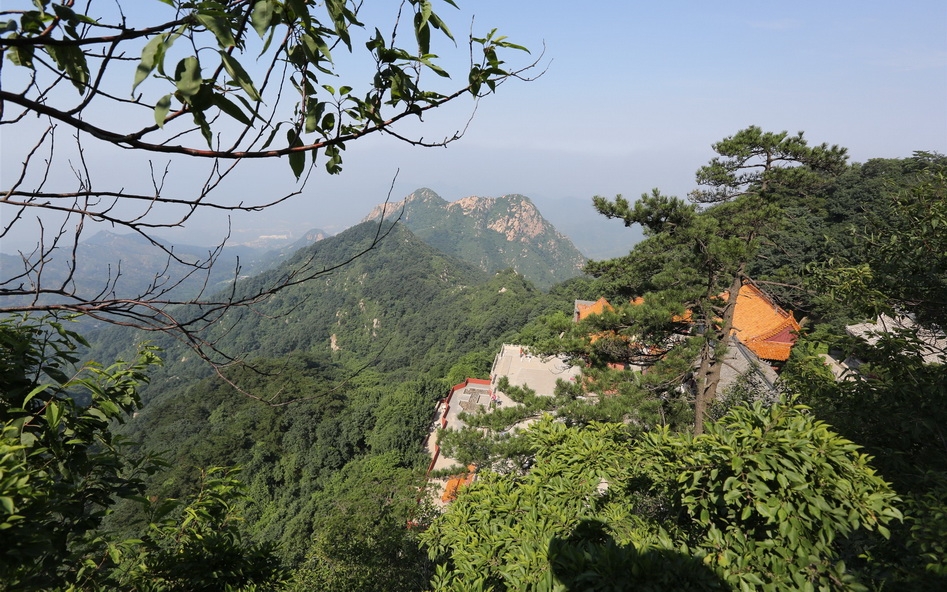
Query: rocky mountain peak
{"points": [[523, 221], [419, 199], [493, 233]]}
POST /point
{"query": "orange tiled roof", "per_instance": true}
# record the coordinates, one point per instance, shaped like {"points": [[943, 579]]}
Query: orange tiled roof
{"points": [[764, 327], [456, 482], [597, 307]]}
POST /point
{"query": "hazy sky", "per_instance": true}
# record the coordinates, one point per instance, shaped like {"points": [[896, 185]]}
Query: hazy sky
{"points": [[635, 94]]}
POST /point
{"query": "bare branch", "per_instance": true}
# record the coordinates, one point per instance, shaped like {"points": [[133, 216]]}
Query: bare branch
{"points": [[244, 106]]}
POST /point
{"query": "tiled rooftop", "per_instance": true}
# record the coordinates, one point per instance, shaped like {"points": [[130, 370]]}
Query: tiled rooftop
{"points": [[764, 327]]}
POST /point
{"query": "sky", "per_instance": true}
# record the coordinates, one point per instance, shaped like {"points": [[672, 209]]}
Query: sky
{"points": [[633, 96]]}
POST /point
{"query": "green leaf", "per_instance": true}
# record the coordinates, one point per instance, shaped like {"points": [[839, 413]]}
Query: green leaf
{"points": [[300, 11], [262, 16], [28, 439], [35, 392], [240, 76], [161, 109], [228, 107], [57, 375], [747, 512], [328, 123], [426, 60], [269, 140], [219, 26], [337, 12], [187, 77], [421, 29], [53, 415], [150, 56], [334, 163], [21, 56], [204, 126], [297, 160], [70, 59], [314, 111], [425, 11]]}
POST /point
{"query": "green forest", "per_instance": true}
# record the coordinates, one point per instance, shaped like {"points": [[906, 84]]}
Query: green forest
{"points": [[301, 467]]}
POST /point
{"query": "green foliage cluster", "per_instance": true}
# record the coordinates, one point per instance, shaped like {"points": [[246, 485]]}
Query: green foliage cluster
{"points": [[62, 469], [855, 242], [760, 501], [890, 261], [894, 406]]}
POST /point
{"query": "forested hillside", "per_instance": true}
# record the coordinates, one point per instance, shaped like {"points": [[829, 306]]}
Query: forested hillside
{"points": [[296, 460], [340, 387]]}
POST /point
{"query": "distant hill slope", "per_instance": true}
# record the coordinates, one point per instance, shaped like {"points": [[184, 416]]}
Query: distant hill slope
{"points": [[492, 233], [404, 303], [132, 266]]}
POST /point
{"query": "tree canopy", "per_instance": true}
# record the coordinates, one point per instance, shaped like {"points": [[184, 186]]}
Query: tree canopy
{"points": [[699, 259], [222, 82], [760, 501]]}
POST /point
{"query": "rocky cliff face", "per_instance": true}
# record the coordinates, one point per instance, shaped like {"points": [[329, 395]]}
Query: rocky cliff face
{"points": [[421, 200], [492, 233]]}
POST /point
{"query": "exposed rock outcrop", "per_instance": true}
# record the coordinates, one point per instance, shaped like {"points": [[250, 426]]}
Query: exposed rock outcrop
{"points": [[492, 233]]}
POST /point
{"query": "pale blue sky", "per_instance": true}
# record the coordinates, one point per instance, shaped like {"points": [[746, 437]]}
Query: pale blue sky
{"points": [[636, 93], [634, 96]]}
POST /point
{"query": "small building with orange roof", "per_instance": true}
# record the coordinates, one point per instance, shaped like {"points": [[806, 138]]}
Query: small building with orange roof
{"points": [[762, 326], [521, 368], [758, 322], [584, 308], [456, 482], [468, 396]]}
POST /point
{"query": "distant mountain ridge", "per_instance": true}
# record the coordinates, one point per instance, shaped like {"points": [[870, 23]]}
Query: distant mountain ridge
{"points": [[403, 303], [492, 233], [132, 266]]}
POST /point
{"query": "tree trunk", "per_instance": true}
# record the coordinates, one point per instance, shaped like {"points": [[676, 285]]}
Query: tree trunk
{"points": [[715, 347]]}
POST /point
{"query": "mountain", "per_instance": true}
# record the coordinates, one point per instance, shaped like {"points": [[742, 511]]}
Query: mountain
{"points": [[352, 365], [132, 266], [405, 301], [492, 233]]}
